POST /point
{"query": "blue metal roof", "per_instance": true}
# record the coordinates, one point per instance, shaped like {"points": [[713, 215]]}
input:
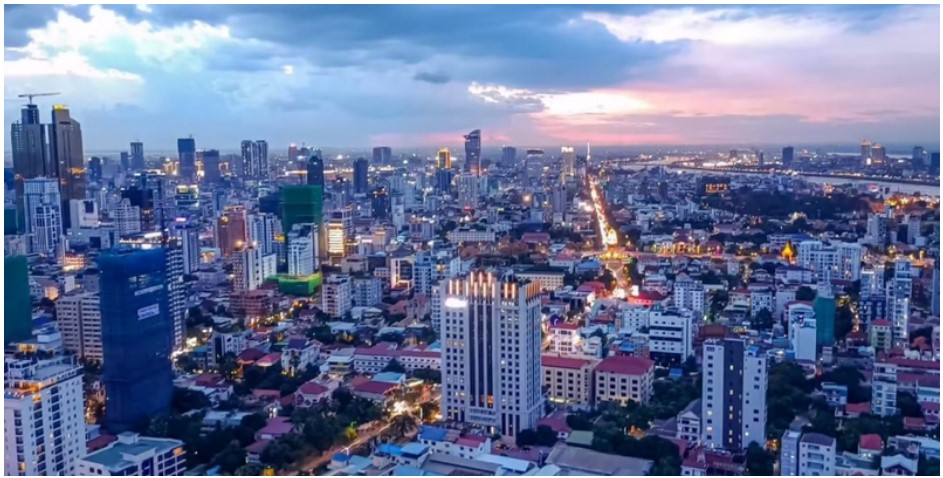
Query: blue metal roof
{"points": [[432, 433]]}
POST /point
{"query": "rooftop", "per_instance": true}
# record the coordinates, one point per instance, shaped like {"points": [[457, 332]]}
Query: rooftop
{"points": [[128, 444], [625, 365]]}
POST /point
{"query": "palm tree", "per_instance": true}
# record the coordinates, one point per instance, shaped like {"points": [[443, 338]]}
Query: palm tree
{"points": [[402, 424]]}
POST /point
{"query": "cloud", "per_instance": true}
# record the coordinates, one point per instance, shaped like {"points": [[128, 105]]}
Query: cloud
{"points": [[430, 77]]}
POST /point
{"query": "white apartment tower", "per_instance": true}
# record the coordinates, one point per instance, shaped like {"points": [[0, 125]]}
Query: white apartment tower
{"points": [[490, 334], [80, 323], [689, 294], [127, 218], [261, 229], [251, 268], [734, 394], [43, 415], [467, 190], [43, 209], [303, 250], [337, 295], [899, 295]]}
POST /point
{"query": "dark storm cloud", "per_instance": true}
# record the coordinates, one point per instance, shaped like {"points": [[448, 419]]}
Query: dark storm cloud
{"points": [[434, 78]]}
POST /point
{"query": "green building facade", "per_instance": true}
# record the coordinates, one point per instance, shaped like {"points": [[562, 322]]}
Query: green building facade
{"points": [[17, 305], [824, 320]]}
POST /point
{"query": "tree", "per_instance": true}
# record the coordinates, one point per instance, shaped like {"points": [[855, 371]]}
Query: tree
{"points": [[579, 421], [526, 437], [250, 469], [805, 293], [759, 461], [228, 366], [428, 375], [786, 396], [394, 366], [851, 377], [184, 400], [402, 425], [230, 459], [763, 320], [545, 436]]}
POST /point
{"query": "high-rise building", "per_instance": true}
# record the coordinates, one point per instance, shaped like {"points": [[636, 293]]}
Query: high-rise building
{"points": [[382, 155], [491, 343], [188, 233], [788, 156], [251, 268], [671, 335], [254, 158], [337, 295], [302, 249], [261, 147], [137, 336], [17, 305], [918, 160], [302, 204], [361, 167], [872, 281], [473, 152], [443, 172], [802, 326], [339, 228], [865, 153], [444, 159], [186, 155], [508, 156], [65, 149], [261, 230], [83, 213], [934, 165], [367, 291], [43, 208], [568, 157], [315, 170], [841, 260], [689, 294], [137, 156], [28, 144], [44, 414], [380, 203], [876, 230], [95, 168], [935, 298], [211, 171], [127, 218], [899, 295], [733, 399], [231, 230], [80, 323], [467, 191], [878, 154]]}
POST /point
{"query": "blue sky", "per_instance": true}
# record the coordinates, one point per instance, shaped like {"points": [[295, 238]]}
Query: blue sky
{"points": [[526, 75]]}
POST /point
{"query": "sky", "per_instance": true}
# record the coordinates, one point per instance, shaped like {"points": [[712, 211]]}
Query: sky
{"points": [[410, 76]]}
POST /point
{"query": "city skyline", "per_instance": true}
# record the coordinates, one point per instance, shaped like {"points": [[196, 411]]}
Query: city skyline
{"points": [[527, 76]]}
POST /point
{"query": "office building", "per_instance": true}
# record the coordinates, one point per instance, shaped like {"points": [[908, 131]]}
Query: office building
{"points": [[17, 305], [788, 157], [568, 159], [315, 171], [30, 156], [382, 155], [251, 268], [361, 168], [337, 295], [137, 336], [467, 191], [490, 335], [380, 203], [95, 169], [303, 250], [301, 204], [508, 156], [43, 209], [473, 152], [733, 403], [212, 174], [43, 414], [254, 159], [137, 156], [339, 229], [186, 155], [878, 154], [65, 149], [918, 160], [80, 323], [135, 455]]}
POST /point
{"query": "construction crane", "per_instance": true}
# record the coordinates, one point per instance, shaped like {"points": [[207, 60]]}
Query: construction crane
{"points": [[32, 95]]}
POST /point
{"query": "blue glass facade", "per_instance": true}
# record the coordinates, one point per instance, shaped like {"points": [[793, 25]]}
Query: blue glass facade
{"points": [[137, 337]]}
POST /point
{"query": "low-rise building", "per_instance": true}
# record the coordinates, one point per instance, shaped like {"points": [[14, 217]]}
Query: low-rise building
{"points": [[135, 455], [620, 379], [568, 381]]}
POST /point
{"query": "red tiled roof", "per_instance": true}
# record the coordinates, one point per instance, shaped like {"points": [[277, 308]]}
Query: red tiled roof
{"points": [[472, 441], [565, 326], [871, 441], [99, 442], [374, 387], [269, 359], [250, 355], [563, 362], [916, 363], [312, 388], [625, 365], [859, 408], [556, 421], [265, 393], [276, 426], [914, 423]]}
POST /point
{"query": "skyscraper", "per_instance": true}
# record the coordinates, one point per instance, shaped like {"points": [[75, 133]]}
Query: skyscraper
{"points": [[467, 190], [254, 155], [919, 159], [137, 156], [899, 295], [568, 156], [95, 168], [382, 155], [43, 208], [490, 335], [733, 403], [65, 146], [865, 153], [260, 229], [508, 156], [878, 154], [261, 148], [251, 268], [302, 249], [360, 176], [186, 154], [473, 152], [211, 171], [28, 143], [443, 172], [380, 202], [17, 305], [137, 336], [315, 170], [231, 230], [788, 156], [302, 204], [189, 235]]}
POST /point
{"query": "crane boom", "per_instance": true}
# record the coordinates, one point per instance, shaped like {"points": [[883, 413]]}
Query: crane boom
{"points": [[32, 95]]}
